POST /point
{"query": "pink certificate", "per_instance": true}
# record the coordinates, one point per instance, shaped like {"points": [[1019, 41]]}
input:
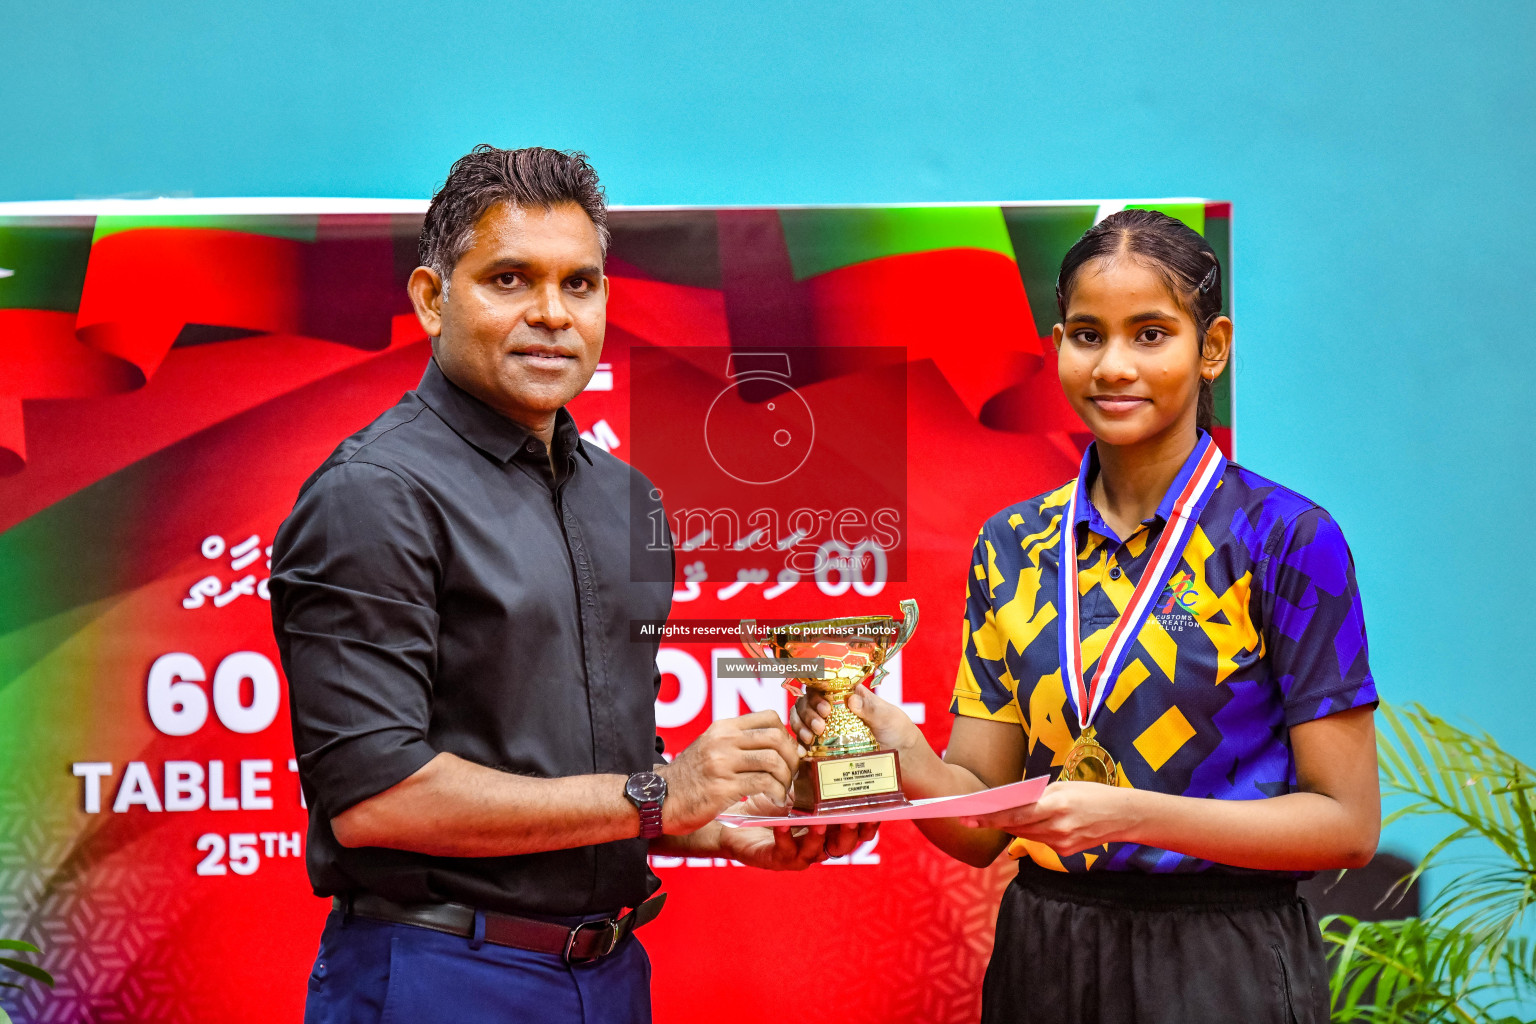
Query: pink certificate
{"points": [[987, 801]]}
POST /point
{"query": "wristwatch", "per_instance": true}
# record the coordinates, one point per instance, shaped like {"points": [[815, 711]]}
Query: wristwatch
{"points": [[647, 790]]}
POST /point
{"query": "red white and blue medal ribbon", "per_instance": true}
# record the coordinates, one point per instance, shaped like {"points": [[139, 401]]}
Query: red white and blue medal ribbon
{"points": [[1087, 695]]}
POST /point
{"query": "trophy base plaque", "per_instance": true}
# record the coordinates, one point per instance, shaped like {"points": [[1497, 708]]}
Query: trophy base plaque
{"points": [[845, 782]]}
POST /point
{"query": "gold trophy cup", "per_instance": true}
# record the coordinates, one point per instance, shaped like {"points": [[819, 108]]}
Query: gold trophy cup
{"points": [[846, 769]]}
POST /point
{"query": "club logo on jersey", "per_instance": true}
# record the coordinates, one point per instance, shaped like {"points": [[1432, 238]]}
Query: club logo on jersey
{"points": [[1175, 609]]}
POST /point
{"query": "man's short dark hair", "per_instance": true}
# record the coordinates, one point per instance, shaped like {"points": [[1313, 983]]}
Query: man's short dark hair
{"points": [[533, 178]]}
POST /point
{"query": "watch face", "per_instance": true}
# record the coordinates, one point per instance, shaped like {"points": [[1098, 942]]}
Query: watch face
{"points": [[646, 787]]}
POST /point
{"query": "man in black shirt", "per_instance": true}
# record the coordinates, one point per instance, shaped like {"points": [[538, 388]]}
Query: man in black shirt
{"points": [[451, 597]]}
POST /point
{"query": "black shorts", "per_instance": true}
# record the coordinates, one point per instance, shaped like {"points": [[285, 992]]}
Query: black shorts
{"points": [[1120, 948]]}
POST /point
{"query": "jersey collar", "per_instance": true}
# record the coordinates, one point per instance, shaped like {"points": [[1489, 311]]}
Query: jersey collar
{"points": [[1088, 517]]}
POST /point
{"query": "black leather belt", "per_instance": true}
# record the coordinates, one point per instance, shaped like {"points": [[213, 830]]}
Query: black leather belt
{"points": [[591, 940]]}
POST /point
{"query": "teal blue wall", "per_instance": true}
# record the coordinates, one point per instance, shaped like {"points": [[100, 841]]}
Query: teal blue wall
{"points": [[1380, 160]]}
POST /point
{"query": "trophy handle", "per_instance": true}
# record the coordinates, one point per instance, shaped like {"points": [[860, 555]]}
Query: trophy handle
{"points": [[903, 634], [908, 625], [746, 631]]}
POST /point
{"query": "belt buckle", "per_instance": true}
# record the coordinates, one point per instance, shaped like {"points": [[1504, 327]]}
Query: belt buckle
{"points": [[613, 940]]}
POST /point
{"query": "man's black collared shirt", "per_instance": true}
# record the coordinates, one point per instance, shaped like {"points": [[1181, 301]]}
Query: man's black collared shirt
{"points": [[440, 586]]}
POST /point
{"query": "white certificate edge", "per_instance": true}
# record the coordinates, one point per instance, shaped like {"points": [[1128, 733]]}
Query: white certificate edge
{"points": [[986, 801]]}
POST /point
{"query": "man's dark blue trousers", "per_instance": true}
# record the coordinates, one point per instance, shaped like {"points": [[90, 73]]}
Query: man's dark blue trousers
{"points": [[375, 972]]}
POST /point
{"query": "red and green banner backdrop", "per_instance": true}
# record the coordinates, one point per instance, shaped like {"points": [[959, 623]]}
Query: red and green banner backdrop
{"points": [[170, 373]]}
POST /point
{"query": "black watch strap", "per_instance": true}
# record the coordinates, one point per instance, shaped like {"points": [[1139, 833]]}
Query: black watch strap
{"points": [[650, 820]]}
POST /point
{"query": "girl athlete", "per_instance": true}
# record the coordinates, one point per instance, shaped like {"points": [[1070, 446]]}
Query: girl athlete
{"points": [[1205, 658]]}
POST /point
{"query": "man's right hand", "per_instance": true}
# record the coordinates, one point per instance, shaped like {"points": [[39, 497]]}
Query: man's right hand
{"points": [[733, 760]]}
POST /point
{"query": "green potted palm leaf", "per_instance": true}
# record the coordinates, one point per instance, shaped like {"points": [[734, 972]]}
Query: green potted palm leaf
{"points": [[1463, 958], [20, 967]]}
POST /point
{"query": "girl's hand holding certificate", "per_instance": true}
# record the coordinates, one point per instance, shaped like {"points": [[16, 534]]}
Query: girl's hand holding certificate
{"points": [[1070, 817]]}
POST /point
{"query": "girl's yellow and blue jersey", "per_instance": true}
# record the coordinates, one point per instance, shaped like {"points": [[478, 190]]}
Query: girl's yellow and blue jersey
{"points": [[1258, 629]]}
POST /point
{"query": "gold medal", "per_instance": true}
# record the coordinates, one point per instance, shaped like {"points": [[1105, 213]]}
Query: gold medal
{"points": [[1087, 761]]}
